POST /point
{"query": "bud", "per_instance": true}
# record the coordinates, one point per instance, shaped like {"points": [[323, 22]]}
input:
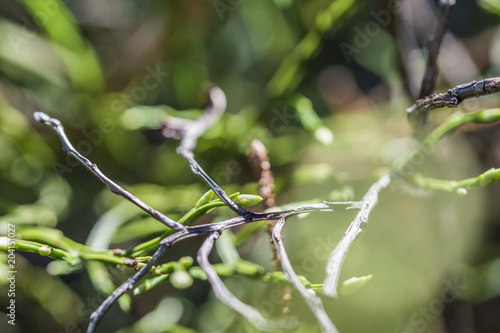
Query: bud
{"points": [[45, 250], [245, 200], [205, 198], [181, 280], [354, 284]]}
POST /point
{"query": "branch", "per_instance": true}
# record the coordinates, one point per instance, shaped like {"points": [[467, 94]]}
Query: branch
{"points": [[453, 97], [339, 253], [97, 315], [129, 283], [259, 159], [404, 170], [115, 188], [312, 301], [435, 39], [190, 134], [225, 296]]}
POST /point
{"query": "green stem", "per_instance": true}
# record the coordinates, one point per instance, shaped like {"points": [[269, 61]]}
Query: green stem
{"points": [[42, 249], [406, 168], [56, 238], [487, 178]]}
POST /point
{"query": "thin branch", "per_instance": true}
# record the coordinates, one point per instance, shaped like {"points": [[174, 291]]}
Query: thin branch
{"points": [[215, 108], [259, 159], [225, 296], [338, 255], [435, 39], [126, 286], [312, 301], [115, 188], [454, 96]]}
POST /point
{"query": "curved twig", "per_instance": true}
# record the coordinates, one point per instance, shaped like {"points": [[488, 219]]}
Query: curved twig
{"points": [[312, 301], [215, 108], [225, 296], [339, 253]]}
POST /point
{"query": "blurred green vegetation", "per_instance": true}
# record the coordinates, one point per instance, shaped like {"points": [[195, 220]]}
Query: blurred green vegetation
{"points": [[112, 70]]}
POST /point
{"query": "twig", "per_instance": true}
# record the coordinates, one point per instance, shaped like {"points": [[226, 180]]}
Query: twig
{"points": [[431, 69], [259, 158], [454, 96], [97, 315], [312, 301], [225, 296], [215, 108], [115, 188], [435, 39], [339, 253]]}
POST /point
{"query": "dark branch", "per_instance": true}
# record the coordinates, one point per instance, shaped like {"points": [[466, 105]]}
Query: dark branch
{"points": [[126, 286], [435, 40], [431, 70], [454, 96], [115, 188]]}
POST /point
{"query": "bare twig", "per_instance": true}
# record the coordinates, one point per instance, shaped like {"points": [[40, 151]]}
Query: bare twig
{"points": [[215, 108], [259, 158], [454, 96], [312, 301], [226, 297], [431, 69], [339, 253], [126, 286], [115, 188], [435, 39]]}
